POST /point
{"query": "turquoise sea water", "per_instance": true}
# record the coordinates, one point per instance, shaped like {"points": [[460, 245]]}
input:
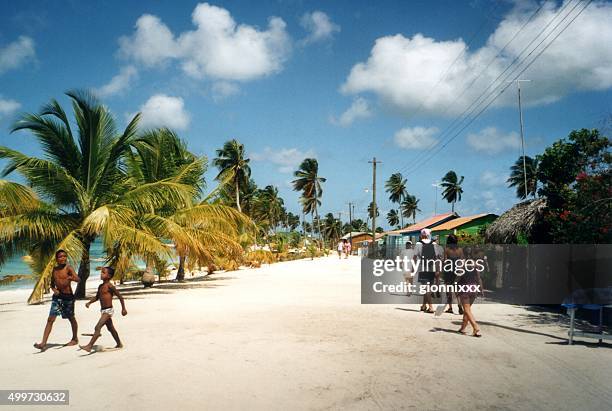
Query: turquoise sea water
{"points": [[16, 265]]}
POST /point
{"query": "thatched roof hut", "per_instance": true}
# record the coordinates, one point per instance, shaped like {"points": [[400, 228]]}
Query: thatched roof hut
{"points": [[526, 218]]}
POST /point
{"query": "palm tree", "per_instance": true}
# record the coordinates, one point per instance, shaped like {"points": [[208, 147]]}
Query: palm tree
{"points": [[396, 187], [81, 189], [293, 221], [160, 154], [517, 176], [332, 228], [309, 183], [233, 166], [371, 210], [393, 217], [410, 206], [452, 188], [268, 208]]}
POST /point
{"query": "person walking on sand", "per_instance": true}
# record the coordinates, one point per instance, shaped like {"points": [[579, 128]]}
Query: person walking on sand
{"points": [[62, 302], [340, 247], [105, 294], [428, 252], [453, 253], [470, 278], [347, 249], [408, 253]]}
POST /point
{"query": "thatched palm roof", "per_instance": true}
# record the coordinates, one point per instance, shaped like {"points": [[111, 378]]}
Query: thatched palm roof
{"points": [[524, 218]]}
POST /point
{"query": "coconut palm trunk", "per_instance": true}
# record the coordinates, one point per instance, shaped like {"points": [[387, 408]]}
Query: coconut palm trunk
{"points": [[312, 224], [318, 222], [84, 268], [180, 274], [237, 188]]}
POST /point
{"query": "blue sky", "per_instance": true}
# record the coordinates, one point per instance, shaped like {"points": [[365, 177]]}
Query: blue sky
{"points": [[340, 81]]}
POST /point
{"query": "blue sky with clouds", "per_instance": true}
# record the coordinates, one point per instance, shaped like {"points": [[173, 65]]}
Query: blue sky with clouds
{"points": [[340, 81]]}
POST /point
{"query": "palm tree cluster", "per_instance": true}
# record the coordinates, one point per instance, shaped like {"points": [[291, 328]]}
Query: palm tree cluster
{"points": [[265, 207], [408, 205], [136, 191]]}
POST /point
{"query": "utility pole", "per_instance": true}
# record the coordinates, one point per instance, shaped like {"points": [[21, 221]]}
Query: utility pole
{"points": [[350, 223], [374, 206], [518, 86]]}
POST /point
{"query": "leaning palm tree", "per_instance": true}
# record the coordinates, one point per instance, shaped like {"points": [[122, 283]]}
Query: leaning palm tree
{"points": [[396, 187], [410, 206], [517, 176], [452, 188], [309, 183], [81, 188], [233, 166], [393, 217]]}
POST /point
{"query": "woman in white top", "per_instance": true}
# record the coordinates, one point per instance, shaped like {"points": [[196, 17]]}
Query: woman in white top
{"points": [[340, 248]]}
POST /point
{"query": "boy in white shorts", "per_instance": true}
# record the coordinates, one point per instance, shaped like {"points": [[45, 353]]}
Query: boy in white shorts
{"points": [[105, 293]]}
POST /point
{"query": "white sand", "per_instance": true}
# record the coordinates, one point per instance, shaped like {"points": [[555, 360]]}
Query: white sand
{"points": [[294, 335]]}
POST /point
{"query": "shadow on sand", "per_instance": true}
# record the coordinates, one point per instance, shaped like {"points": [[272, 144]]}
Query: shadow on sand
{"points": [[52, 345]]}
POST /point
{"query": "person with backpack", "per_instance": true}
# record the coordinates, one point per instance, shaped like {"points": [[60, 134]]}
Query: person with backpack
{"points": [[428, 251]]}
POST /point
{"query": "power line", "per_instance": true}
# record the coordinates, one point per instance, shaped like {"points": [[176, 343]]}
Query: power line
{"points": [[472, 107], [480, 100], [463, 51], [416, 166]]}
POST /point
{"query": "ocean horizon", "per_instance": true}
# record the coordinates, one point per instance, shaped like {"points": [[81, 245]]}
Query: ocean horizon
{"points": [[17, 266]]}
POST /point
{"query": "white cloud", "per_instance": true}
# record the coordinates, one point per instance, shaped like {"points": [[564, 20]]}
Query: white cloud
{"points": [[223, 89], [8, 107], [164, 111], [153, 43], [405, 73], [416, 138], [489, 199], [319, 27], [492, 141], [491, 179], [218, 48], [119, 83], [16, 53], [288, 159], [360, 108]]}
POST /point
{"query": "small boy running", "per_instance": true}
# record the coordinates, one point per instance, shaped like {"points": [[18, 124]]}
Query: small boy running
{"points": [[105, 294]]}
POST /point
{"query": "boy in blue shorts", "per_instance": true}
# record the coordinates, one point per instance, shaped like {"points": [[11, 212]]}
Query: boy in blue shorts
{"points": [[62, 302]]}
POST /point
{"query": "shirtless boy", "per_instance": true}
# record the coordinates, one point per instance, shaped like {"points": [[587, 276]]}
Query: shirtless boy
{"points": [[105, 294], [62, 302]]}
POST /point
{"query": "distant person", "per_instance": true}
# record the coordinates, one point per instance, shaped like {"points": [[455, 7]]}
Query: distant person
{"points": [[427, 250], [105, 294], [408, 253], [348, 247], [340, 247], [62, 302], [467, 298], [453, 253]]}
